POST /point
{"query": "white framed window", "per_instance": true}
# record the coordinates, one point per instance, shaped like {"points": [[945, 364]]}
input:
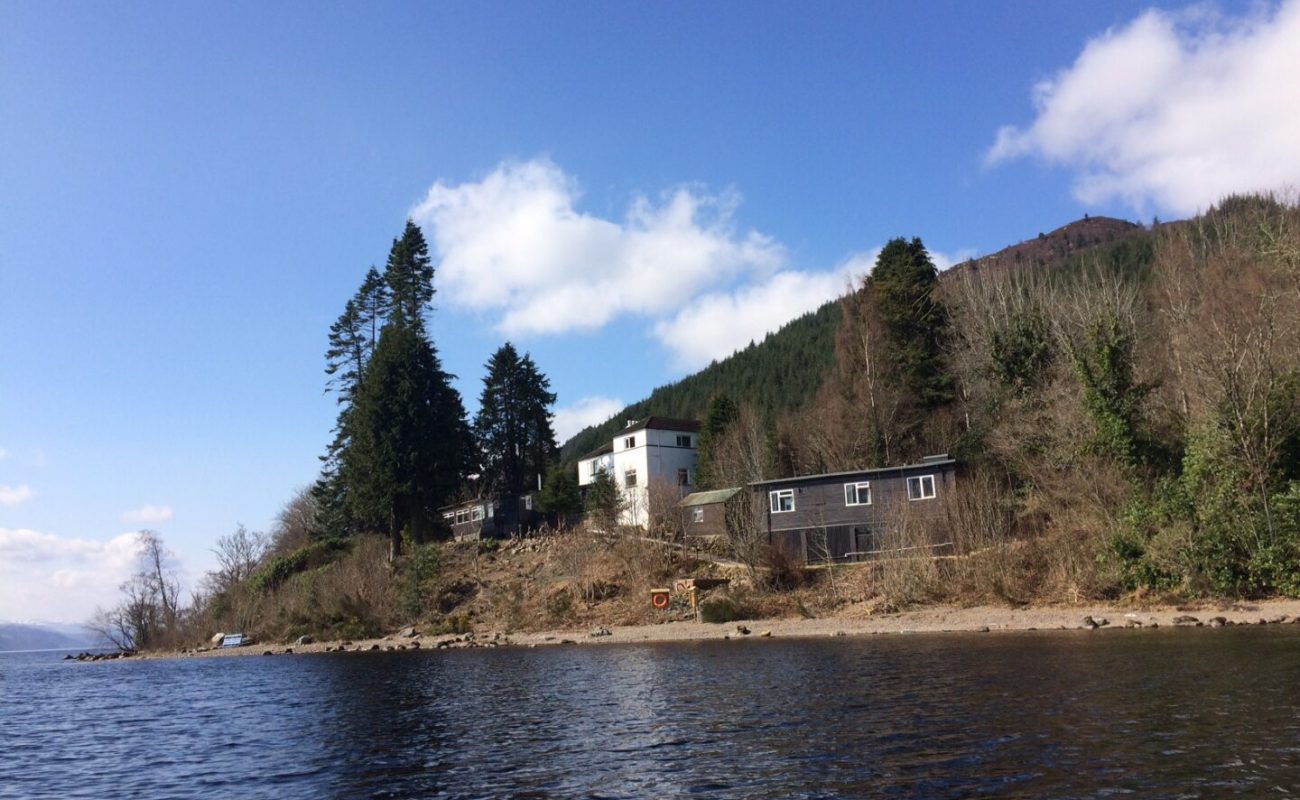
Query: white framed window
{"points": [[528, 502], [462, 517], [697, 515], [629, 443], [476, 514], [595, 467], [683, 477], [450, 516], [857, 494], [683, 441], [629, 478], [920, 488], [781, 500]]}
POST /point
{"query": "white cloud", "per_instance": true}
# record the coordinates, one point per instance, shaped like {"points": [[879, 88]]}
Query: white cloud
{"points": [[14, 495], [515, 243], [148, 514], [61, 578], [587, 411], [718, 324], [1176, 109]]}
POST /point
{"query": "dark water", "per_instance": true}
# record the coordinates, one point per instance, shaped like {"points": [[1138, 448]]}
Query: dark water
{"points": [[1143, 713]]}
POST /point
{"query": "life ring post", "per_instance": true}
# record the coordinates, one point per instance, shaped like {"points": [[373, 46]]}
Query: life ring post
{"points": [[660, 598]]}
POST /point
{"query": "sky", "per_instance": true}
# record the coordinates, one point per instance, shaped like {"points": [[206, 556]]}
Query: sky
{"points": [[190, 192]]}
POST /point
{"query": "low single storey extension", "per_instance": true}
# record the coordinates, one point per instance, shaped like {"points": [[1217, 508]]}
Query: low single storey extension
{"points": [[851, 515]]}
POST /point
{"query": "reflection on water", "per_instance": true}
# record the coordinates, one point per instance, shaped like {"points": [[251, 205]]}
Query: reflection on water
{"points": [[1153, 713]]}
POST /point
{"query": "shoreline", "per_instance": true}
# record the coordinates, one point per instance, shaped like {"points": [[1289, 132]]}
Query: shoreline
{"points": [[929, 620]]}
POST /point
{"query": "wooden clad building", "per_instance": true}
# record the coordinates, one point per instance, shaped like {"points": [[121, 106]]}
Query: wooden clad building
{"points": [[492, 517], [847, 515]]}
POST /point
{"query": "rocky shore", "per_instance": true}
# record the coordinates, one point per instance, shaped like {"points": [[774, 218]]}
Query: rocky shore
{"points": [[929, 620]]}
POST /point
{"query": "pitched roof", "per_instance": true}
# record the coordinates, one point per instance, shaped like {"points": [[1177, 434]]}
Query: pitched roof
{"points": [[927, 462], [599, 451], [707, 498], [661, 424]]}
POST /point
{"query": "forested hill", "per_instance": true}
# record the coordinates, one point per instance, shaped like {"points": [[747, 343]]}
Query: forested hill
{"points": [[784, 371], [1115, 240], [777, 374]]}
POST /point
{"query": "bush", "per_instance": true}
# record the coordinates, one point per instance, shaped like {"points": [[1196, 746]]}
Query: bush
{"points": [[272, 574], [782, 573], [726, 608]]}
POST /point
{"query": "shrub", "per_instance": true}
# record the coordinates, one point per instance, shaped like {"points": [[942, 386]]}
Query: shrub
{"points": [[726, 608]]}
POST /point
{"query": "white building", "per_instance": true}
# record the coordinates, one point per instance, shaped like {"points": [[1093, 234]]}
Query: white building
{"points": [[649, 458]]}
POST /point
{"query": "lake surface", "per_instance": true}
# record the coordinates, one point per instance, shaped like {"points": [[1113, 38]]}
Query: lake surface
{"points": [[1187, 713]]}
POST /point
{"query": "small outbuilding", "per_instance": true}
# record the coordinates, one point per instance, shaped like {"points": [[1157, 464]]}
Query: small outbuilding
{"points": [[709, 514]]}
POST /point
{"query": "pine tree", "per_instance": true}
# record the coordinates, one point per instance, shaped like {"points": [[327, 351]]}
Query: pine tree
{"points": [[915, 321], [409, 275], [560, 494], [407, 438], [513, 427]]}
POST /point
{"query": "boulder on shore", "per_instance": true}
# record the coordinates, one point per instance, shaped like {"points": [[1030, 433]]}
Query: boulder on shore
{"points": [[216, 639]]}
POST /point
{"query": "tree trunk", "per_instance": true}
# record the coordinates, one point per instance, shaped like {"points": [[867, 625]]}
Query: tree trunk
{"points": [[395, 537]]}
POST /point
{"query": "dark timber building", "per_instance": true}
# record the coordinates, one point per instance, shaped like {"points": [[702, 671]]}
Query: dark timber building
{"points": [[847, 515]]}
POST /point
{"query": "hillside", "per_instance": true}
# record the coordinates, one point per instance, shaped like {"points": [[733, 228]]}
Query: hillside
{"points": [[784, 371], [1066, 243], [777, 374]]}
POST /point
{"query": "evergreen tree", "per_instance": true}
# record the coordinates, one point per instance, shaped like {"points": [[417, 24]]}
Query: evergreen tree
{"points": [[560, 494], [721, 414], [513, 427], [604, 503], [409, 275], [408, 441], [915, 321], [354, 335]]}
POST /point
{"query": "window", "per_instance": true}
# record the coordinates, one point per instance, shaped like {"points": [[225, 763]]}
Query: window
{"points": [[528, 502], [450, 516], [857, 494], [920, 488], [629, 478], [683, 477], [782, 500], [683, 441], [462, 517], [629, 443], [476, 514], [595, 467], [697, 515]]}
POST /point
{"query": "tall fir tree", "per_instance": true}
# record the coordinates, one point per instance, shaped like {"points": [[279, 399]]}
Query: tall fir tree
{"points": [[409, 275], [915, 322], [513, 427], [408, 441]]}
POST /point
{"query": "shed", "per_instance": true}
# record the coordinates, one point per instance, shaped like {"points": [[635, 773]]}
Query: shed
{"points": [[709, 513]]}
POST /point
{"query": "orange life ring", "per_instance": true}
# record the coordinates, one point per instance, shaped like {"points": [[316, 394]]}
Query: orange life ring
{"points": [[659, 599]]}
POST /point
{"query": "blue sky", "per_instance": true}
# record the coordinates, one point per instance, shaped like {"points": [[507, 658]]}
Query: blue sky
{"points": [[189, 192]]}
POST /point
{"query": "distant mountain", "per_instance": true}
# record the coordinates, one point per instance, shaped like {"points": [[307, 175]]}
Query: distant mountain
{"points": [[1075, 239], [44, 636]]}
